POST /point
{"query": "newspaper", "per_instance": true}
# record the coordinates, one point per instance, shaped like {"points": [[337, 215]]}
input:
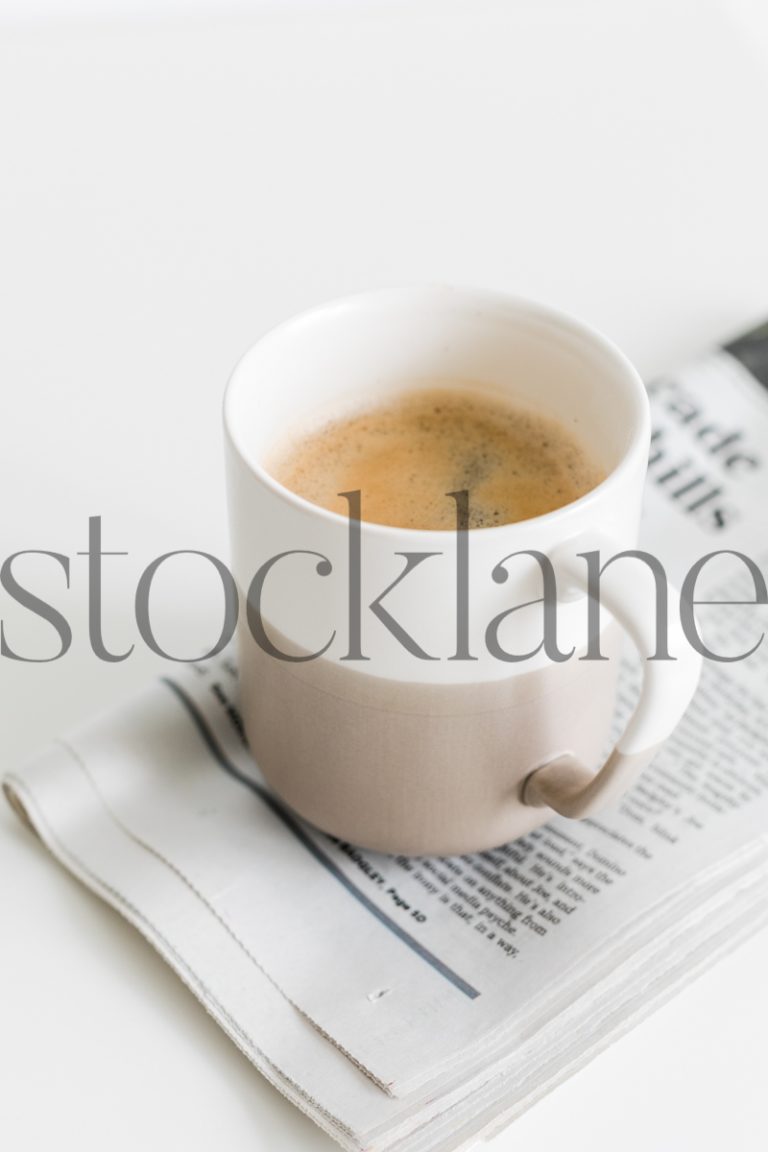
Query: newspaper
{"points": [[417, 1003]]}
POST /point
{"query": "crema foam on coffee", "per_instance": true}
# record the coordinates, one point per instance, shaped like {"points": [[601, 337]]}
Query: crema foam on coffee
{"points": [[406, 455]]}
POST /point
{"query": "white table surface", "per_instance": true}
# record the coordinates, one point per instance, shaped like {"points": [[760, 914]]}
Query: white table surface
{"points": [[168, 189]]}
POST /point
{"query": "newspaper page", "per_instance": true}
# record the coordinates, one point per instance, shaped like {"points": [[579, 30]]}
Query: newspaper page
{"points": [[396, 996]]}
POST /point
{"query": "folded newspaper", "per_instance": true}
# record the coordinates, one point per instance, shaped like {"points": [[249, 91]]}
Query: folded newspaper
{"points": [[414, 1003]]}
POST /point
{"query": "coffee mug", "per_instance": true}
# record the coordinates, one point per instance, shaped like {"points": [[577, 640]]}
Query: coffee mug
{"points": [[441, 723]]}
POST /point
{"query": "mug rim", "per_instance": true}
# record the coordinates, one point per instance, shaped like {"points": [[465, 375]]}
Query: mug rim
{"points": [[469, 297]]}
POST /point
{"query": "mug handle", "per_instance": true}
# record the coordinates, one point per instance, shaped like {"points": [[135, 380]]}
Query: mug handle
{"points": [[564, 783]]}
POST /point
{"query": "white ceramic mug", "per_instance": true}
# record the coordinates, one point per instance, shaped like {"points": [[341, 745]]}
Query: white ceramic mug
{"points": [[448, 754]]}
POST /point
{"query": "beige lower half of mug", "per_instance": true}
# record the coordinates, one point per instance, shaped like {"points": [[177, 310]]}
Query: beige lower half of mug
{"points": [[413, 768]]}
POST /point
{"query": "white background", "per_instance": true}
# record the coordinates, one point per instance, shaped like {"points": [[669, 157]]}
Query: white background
{"points": [[173, 180]]}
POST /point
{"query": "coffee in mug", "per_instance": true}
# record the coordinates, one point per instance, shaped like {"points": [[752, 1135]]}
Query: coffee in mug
{"points": [[406, 455], [395, 687]]}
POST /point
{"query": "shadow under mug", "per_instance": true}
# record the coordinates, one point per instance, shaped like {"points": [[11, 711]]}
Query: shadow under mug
{"points": [[445, 746]]}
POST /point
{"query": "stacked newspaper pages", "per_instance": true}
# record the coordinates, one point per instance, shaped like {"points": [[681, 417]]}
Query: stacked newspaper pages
{"points": [[414, 1003]]}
